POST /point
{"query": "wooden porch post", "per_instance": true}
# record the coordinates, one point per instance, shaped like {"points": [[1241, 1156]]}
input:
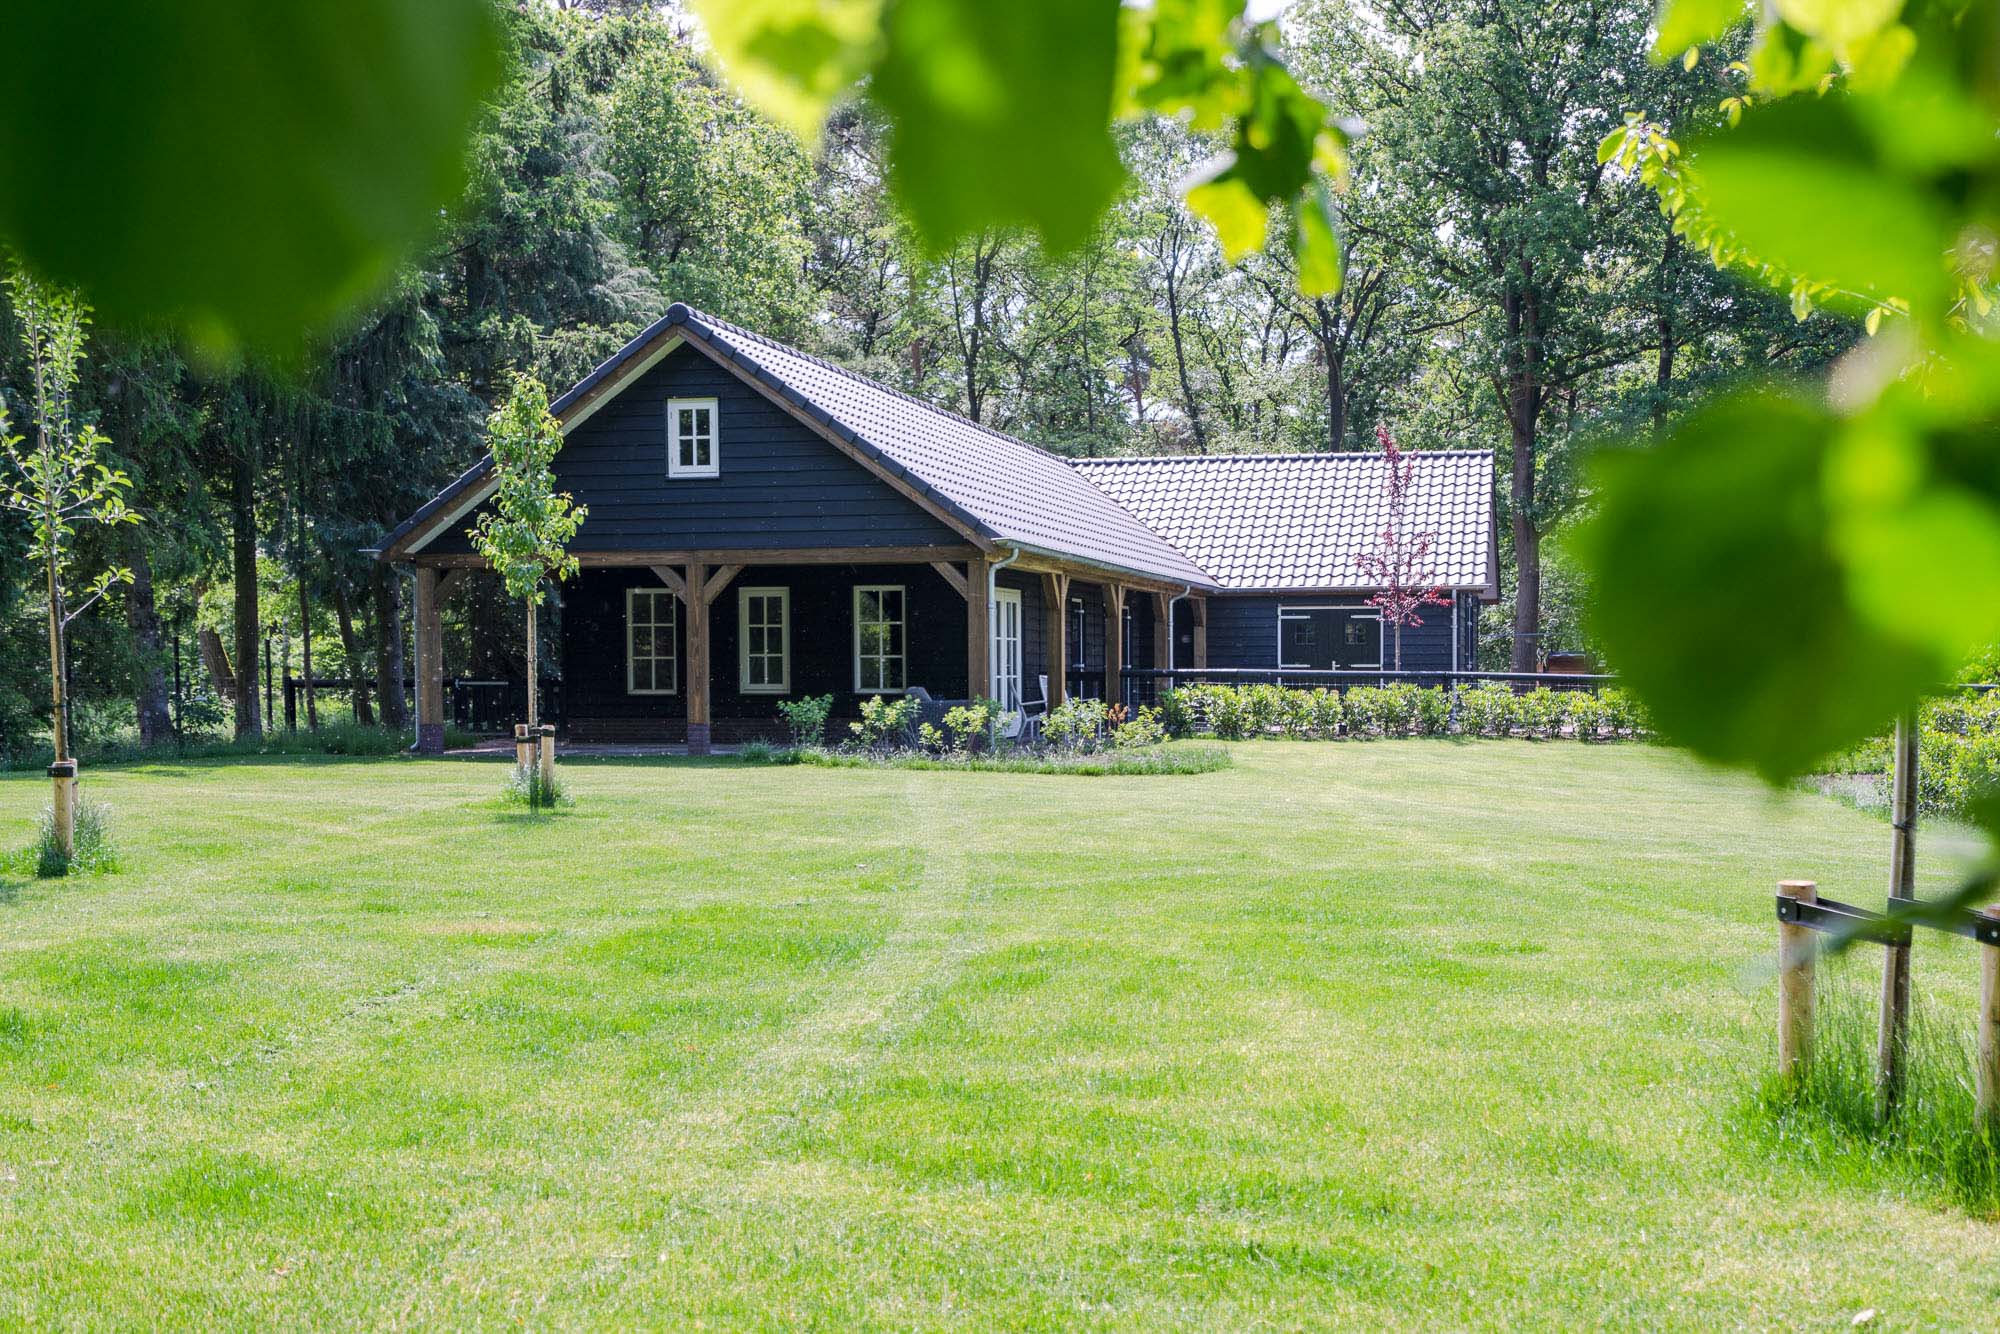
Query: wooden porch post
{"points": [[1055, 634], [1114, 643], [1198, 607], [978, 631], [430, 664], [1163, 639], [697, 651]]}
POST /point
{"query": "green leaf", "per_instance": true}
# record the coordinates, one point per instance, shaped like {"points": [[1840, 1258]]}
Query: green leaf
{"points": [[793, 58], [1240, 219], [1184, 62], [1001, 114], [239, 168], [1800, 184], [1685, 24], [1721, 597]]}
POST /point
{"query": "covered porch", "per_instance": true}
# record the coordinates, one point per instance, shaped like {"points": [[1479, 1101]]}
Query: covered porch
{"points": [[699, 647]]}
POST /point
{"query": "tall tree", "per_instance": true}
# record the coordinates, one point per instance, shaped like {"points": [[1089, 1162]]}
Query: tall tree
{"points": [[1483, 125]]}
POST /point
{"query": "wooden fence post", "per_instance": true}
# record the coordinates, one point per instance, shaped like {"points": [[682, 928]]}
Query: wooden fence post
{"points": [[1986, 1059], [1795, 984]]}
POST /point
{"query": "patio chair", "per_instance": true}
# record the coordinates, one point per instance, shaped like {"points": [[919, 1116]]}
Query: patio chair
{"points": [[1025, 722]]}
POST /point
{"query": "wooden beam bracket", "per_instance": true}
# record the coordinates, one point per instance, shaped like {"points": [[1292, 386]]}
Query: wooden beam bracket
{"points": [[712, 588], [951, 576]]}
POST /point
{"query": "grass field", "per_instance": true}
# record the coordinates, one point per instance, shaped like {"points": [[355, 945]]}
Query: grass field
{"points": [[1399, 1035]]}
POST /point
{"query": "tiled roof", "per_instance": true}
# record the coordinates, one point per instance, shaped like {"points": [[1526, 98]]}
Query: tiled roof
{"points": [[1296, 521], [1016, 493]]}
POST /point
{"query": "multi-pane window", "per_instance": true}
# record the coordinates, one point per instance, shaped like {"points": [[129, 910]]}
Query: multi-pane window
{"points": [[691, 450], [652, 641], [880, 633], [764, 623]]}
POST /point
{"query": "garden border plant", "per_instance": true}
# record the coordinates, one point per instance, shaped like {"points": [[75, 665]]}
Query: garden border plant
{"points": [[1400, 709]]}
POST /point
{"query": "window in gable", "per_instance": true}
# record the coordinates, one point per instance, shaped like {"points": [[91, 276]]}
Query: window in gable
{"points": [[692, 448]]}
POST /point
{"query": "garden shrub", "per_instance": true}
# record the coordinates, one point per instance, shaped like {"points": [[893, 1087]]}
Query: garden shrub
{"points": [[969, 724], [1076, 725], [806, 718], [1327, 710], [1539, 712], [1586, 714], [1486, 710], [884, 722], [1430, 712], [1622, 714], [1142, 729]]}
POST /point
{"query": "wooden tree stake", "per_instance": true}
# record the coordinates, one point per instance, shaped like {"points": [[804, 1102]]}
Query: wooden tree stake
{"points": [[63, 807], [548, 760], [1895, 1025], [1796, 952], [523, 750], [1986, 1058]]}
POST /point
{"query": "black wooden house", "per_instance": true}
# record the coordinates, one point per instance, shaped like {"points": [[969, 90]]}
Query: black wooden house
{"points": [[764, 524]]}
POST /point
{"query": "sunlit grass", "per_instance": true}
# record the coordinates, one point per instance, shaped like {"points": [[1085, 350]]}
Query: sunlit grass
{"points": [[1416, 1034]]}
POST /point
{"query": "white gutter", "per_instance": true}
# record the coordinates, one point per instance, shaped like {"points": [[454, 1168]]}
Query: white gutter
{"points": [[992, 604]]}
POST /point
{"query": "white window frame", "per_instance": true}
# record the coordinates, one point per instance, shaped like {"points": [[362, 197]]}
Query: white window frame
{"points": [[1296, 611], [673, 654], [784, 685], [902, 659], [996, 688], [675, 468]]}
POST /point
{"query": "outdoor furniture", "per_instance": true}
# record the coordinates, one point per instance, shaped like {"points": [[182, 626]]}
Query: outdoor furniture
{"points": [[1025, 722]]}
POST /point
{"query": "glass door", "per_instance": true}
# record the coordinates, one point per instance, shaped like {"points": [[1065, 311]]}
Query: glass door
{"points": [[1007, 647]]}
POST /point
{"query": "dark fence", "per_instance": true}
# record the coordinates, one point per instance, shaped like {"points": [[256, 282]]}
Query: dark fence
{"points": [[478, 706]]}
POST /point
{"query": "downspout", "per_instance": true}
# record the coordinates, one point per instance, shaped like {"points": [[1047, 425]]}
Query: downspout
{"points": [[992, 602]]}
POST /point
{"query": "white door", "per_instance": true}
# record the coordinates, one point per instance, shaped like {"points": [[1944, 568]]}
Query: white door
{"points": [[1007, 647]]}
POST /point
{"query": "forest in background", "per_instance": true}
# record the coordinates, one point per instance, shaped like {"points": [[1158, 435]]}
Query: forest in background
{"points": [[1505, 289]]}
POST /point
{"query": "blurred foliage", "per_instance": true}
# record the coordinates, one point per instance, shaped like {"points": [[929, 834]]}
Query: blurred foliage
{"points": [[240, 170]]}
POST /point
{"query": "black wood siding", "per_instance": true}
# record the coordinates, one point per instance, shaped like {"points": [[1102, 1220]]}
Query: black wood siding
{"points": [[782, 484], [1243, 632]]}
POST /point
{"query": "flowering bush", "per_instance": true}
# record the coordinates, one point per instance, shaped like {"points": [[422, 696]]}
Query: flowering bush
{"points": [[884, 722], [1076, 725], [970, 723]]}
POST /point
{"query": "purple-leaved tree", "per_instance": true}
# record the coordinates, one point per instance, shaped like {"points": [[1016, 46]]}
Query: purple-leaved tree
{"points": [[1400, 561]]}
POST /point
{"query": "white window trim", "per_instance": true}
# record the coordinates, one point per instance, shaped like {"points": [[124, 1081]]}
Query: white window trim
{"points": [[631, 662], [675, 468], [1296, 611], [743, 686], [902, 659]]}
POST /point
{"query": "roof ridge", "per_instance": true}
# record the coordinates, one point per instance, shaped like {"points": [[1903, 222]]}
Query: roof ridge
{"points": [[873, 383], [1301, 455]]}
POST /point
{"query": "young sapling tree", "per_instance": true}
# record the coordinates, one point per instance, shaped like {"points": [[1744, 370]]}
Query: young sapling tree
{"points": [[525, 536], [58, 481], [1400, 563]]}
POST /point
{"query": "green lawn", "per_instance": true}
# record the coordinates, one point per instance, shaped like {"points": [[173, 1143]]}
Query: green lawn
{"points": [[1404, 1034]]}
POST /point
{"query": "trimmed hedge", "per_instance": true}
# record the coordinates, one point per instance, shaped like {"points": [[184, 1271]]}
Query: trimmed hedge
{"points": [[1237, 713]]}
